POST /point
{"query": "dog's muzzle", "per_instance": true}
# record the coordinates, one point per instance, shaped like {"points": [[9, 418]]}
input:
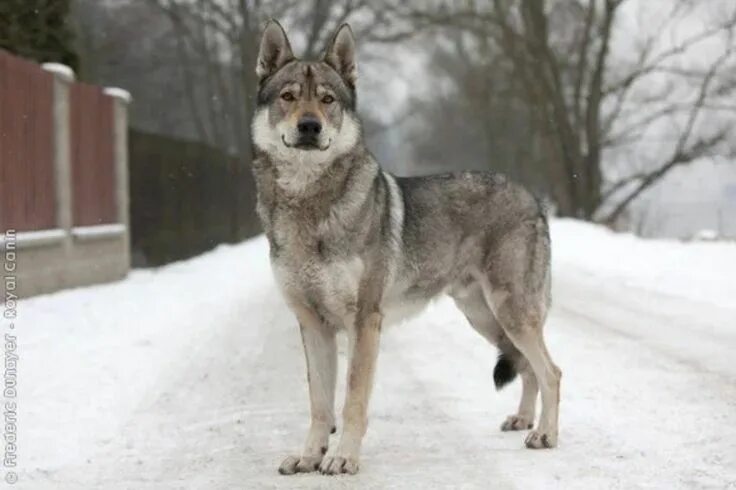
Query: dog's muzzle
{"points": [[309, 129]]}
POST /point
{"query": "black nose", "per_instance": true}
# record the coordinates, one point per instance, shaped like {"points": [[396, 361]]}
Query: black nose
{"points": [[309, 126]]}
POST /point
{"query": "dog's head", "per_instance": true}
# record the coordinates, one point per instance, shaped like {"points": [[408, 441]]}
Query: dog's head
{"points": [[305, 109]]}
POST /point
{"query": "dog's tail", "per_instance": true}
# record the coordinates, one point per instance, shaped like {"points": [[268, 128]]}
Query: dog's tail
{"points": [[505, 370]]}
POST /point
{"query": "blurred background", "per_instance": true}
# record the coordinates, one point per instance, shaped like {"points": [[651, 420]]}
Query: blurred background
{"points": [[616, 111], [125, 140]]}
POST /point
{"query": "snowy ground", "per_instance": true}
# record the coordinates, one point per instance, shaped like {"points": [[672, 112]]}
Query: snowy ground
{"points": [[192, 376]]}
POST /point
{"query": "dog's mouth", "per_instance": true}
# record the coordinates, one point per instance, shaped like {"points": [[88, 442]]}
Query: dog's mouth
{"points": [[309, 145]]}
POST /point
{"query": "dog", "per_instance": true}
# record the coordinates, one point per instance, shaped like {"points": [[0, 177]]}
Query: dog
{"points": [[352, 245]]}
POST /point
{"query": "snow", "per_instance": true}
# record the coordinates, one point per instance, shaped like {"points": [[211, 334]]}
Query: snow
{"points": [[34, 238], [64, 72], [699, 271], [98, 231], [119, 93], [192, 376]]}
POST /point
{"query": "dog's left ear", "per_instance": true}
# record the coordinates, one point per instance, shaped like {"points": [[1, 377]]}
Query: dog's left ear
{"points": [[340, 54]]}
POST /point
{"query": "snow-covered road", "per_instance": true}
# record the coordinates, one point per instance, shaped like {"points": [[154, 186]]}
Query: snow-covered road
{"points": [[192, 376]]}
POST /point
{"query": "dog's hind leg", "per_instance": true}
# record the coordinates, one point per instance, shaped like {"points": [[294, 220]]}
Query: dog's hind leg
{"points": [[517, 290], [524, 418], [471, 301], [320, 350]]}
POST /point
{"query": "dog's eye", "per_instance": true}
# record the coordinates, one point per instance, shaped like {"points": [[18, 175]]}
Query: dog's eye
{"points": [[287, 96], [328, 99]]}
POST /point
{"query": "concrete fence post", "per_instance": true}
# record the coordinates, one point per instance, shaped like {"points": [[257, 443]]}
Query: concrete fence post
{"points": [[63, 78], [122, 99]]}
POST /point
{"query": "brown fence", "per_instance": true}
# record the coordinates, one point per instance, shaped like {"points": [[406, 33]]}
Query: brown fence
{"points": [[92, 155], [27, 195], [63, 170]]}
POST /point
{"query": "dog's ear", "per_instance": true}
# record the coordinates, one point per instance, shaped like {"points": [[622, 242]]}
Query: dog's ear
{"points": [[340, 54], [275, 50]]}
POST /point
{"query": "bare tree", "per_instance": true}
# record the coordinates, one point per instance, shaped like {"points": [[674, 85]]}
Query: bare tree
{"points": [[476, 120], [582, 105], [130, 45]]}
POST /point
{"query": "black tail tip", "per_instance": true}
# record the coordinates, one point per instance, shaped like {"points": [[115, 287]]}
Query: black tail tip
{"points": [[504, 372]]}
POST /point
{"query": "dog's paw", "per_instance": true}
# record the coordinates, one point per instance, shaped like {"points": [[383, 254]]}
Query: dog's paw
{"points": [[295, 464], [540, 440], [288, 465], [516, 422], [335, 465]]}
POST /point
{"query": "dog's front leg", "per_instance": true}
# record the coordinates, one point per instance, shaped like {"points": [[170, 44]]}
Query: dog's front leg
{"points": [[364, 342], [321, 354]]}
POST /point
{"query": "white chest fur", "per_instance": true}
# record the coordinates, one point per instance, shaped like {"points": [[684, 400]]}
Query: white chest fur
{"points": [[333, 285]]}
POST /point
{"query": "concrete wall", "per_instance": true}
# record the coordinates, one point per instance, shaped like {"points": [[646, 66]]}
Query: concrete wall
{"points": [[68, 256], [52, 259]]}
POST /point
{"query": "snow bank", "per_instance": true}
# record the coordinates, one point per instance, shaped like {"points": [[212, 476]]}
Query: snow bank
{"points": [[699, 271]]}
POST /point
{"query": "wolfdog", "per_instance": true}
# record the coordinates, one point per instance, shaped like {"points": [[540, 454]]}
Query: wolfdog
{"points": [[350, 244]]}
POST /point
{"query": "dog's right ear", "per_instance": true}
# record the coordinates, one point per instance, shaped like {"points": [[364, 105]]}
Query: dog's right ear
{"points": [[275, 50]]}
